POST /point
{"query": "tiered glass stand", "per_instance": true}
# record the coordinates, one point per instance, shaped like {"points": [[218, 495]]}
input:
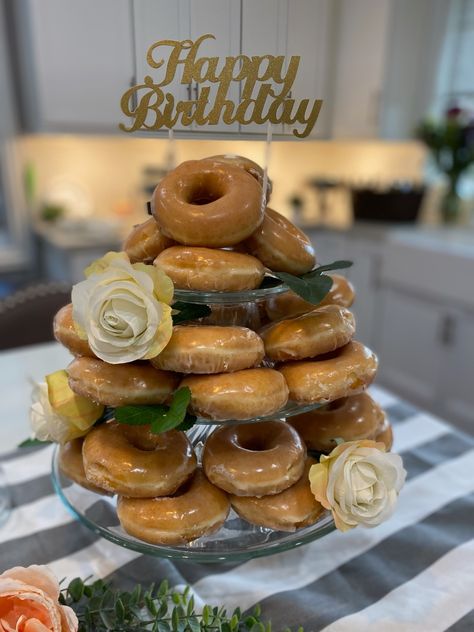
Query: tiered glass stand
{"points": [[237, 540]]}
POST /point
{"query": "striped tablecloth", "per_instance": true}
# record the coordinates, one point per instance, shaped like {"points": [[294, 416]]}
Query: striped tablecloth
{"points": [[413, 573]]}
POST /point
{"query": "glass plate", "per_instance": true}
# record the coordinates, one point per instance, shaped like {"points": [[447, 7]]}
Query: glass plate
{"points": [[237, 540], [214, 298], [290, 409]]}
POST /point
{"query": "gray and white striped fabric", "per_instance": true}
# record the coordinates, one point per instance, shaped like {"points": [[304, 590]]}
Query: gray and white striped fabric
{"points": [[414, 573]]}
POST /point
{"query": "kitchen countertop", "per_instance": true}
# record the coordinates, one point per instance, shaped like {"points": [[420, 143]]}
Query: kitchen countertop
{"points": [[82, 237]]}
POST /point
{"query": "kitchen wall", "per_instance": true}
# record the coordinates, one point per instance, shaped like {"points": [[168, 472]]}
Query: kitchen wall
{"points": [[107, 172]]}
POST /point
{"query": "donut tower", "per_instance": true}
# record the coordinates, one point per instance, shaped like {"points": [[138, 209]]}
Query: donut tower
{"points": [[278, 380]]}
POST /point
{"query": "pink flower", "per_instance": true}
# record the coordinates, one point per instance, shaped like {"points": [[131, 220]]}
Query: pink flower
{"points": [[29, 602]]}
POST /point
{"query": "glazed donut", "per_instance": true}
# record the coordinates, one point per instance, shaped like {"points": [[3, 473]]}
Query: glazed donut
{"points": [[241, 395], [350, 419], [385, 436], [207, 203], [65, 333], [347, 371], [208, 349], [291, 509], [323, 330], [210, 270], [132, 461], [281, 246], [250, 167], [120, 384], [254, 459], [145, 242], [71, 464], [290, 304], [197, 509]]}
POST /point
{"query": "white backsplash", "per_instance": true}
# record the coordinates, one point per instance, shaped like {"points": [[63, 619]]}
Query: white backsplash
{"points": [[109, 170]]}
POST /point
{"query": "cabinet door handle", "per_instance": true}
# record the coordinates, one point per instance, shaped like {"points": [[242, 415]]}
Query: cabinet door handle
{"points": [[133, 82], [188, 88], [448, 331], [196, 91]]}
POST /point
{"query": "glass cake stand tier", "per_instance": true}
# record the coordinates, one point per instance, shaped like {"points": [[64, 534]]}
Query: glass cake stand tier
{"points": [[289, 410], [236, 540], [229, 298]]}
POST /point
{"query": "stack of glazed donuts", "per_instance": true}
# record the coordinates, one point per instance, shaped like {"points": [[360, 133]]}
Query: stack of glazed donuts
{"points": [[212, 231]]}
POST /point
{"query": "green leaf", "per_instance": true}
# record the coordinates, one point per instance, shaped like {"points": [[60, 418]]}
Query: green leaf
{"points": [[76, 589], [161, 418], [188, 422], [194, 624], [175, 618], [335, 265], [30, 443], [176, 413], [138, 415], [189, 311], [269, 281], [120, 610], [312, 289]]}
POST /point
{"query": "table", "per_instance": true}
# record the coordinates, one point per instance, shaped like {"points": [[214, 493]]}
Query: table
{"points": [[413, 573]]}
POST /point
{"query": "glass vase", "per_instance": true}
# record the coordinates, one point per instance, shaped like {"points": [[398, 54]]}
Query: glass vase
{"points": [[451, 204]]}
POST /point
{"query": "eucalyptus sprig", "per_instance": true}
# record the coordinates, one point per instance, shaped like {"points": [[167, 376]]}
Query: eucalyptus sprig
{"points": [[161, 418], [312, 286], [100, 608]]}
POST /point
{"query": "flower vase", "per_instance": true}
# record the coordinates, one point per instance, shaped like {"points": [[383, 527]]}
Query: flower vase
{"points": [[451, 204]]}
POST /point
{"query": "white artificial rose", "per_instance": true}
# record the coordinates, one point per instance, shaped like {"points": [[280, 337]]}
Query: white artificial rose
{"points": [[359, 482], [57, 413], [123, 309]]}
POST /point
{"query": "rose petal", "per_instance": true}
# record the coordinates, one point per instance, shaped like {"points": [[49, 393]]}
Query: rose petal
{"points": [[39, 576]]}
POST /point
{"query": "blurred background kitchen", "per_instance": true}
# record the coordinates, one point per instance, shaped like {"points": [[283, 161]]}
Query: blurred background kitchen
{"points": [[385, 179]]}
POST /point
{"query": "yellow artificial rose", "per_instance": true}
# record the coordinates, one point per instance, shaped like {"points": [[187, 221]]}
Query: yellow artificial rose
{"points": [[58, 414], [123, 309], [358, 482]]}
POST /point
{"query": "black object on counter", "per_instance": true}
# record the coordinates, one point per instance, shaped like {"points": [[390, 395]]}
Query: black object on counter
{"points": [[395, 205]]}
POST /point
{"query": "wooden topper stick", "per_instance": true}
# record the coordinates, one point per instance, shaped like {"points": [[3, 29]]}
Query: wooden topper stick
{"points": [[266, 162], [171, 153]]}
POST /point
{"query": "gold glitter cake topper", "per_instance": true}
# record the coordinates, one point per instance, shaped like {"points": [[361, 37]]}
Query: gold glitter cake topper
{"points": [[151, 107]]}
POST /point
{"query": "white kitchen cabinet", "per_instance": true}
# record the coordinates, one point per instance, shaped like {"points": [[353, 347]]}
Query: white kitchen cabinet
{"points": [[293, 28], [364, 276], [310, 33], [358, 71], [155, 20], [457, 369], [76, 60], [264, 32], [409, 345], [388, 56], [222, 19]]}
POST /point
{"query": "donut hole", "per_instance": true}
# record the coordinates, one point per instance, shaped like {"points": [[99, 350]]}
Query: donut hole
{"points": [[140, 438], [204, 190], [144, 444], [254, 444]]}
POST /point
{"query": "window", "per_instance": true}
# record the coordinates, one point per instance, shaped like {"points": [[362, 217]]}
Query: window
{"points": [[456, 77]]}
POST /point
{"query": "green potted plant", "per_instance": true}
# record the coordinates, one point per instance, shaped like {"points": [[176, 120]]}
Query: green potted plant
{"points": [[451, 142]]}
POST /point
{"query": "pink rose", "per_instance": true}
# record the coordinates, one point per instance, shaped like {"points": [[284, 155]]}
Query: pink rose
{"points": [[29, 602]]}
